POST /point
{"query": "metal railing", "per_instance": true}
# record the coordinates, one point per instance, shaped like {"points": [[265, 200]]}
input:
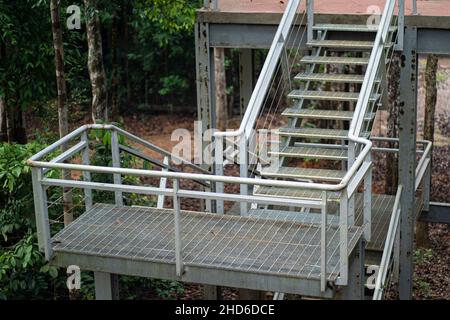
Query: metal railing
{"points": [[390, 257], [41, 182]]}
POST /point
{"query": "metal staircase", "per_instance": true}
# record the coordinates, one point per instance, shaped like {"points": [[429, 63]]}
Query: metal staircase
{"points": [[299, 229]]}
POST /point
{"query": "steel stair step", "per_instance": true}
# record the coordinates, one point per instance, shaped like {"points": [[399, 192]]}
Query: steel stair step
{"points": [[318, 133], [330, 77], [311, 152], [334, 60], [328, 95], [349, 27], [306, 194], [321, 114], [343, 44], [304, 173]]}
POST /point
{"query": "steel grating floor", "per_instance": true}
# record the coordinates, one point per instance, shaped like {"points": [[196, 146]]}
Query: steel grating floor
{"points": [[226, 242]]}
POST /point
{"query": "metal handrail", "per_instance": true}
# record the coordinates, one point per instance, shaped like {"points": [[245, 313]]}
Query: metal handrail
{"points": [[388, 246], [34, 161], [262, 85], [371, 72]]}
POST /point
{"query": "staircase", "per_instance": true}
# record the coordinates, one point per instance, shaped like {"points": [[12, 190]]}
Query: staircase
{"points": [[327, 141]]}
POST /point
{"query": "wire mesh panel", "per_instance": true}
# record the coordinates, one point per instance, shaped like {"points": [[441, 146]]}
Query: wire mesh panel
{"points": [[209, 240]]}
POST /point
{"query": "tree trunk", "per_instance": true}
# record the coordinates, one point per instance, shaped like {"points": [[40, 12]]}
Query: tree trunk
{"points": [[3, 132], [126, 61], [221, 95], [95, 63], [55, 9], [392, 125], [115, 110], [428, 130]]}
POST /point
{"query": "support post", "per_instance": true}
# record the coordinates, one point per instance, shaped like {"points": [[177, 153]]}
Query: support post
{"points": [[401, 25], [407, 160], [355, 288], [86, 174], [106, 286], [246, 68], [310, 19], [243, 165]]}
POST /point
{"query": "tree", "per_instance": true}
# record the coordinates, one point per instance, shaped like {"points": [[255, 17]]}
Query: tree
{"points": [[55, 9], [25, 59], [428, 130], [95, 63]]}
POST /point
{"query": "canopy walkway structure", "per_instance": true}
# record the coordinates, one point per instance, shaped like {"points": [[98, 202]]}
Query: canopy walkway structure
{"points": [[291, 228]]}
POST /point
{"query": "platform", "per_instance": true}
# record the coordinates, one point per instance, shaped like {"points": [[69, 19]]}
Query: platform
{"points": [[210, 241]]}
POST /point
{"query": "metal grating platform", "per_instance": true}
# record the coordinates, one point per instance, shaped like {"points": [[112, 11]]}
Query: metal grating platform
{"points": [[221, 242]]}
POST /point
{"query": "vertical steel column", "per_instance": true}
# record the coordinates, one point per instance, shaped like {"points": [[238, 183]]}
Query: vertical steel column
{"points": [[86, 174], [41, 212], [204, 67], [401, 25], [355, 287], [177, 218], [116, 164], [310, 19], [407, 159], [106, 286], [246, 68]]}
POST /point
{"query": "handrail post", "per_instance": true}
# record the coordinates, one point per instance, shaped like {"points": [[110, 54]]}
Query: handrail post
{"points": [[243, 165], [367, 216], [426, 186], [343, 237], [310, 19], [219, 168], [115, 152], [41, 212], [176, 211], [323, 244], [86, 174]]}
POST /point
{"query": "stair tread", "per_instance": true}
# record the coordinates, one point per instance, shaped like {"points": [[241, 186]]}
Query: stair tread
{"points": [[304, 173], [312, 152], [316, 133], [348, 44], [321, 114], [349, 27], [306, 194], [335, 60], [330, 77], [328, 95]]}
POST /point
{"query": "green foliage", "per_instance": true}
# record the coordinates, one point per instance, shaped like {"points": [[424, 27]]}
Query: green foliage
{"points": [[23, 271]]}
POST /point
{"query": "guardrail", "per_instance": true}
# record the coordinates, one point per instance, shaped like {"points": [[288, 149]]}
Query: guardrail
{"points": [[41, 183]]}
